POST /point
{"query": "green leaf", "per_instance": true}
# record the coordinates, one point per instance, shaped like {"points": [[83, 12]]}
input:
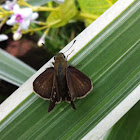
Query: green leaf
{"points": [[111, 60], [128, 128], [94, 8], [14, 70], [65, 12]]}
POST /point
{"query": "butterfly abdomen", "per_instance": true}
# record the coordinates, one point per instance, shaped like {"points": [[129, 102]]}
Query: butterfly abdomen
{"points": [[61, 80]]}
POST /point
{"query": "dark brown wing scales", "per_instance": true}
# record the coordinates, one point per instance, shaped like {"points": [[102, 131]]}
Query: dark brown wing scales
{"points": [[47, 86], [79, 84], [43, 83]]}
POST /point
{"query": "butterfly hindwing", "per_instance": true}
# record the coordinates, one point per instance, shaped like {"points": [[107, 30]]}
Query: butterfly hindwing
{"points": [[78, 83], [55, 96]]}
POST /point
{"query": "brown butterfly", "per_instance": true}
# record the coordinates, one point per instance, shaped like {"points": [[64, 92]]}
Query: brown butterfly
{"points": [[62, 82]]}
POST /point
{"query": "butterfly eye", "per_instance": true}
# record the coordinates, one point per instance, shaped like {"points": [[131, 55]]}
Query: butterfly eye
{"points": [[64, 56]]}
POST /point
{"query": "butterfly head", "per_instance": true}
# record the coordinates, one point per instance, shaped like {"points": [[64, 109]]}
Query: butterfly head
{"points": [[60, 57]]}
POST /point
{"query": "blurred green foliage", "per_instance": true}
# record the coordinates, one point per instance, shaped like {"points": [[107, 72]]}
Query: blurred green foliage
{"points": [[70, 19]]}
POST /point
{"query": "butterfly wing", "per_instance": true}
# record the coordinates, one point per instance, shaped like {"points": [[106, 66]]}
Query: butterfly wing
{"points": [[55, 96], [43, 84], [68, 98], [78, 83]]}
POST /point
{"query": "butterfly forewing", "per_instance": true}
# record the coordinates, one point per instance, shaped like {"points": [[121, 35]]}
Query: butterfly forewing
{"points": [[43, 84], [79, 84]]}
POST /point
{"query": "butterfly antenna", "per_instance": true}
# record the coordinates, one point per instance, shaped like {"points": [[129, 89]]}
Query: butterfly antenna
{"points": [[43, 45], [71, 46], [70, 53]]}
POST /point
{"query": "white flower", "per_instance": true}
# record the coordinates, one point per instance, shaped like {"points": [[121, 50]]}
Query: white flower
{"points": [[22, 16], [9, 5], [3, 37]]}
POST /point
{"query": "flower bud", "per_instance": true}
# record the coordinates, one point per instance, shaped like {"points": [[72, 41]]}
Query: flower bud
{"points": [[17, 35], [41, 40]]}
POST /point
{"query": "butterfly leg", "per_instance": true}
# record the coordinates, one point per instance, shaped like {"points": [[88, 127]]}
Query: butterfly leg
{"points": [[72, 104], [68, 98]]}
